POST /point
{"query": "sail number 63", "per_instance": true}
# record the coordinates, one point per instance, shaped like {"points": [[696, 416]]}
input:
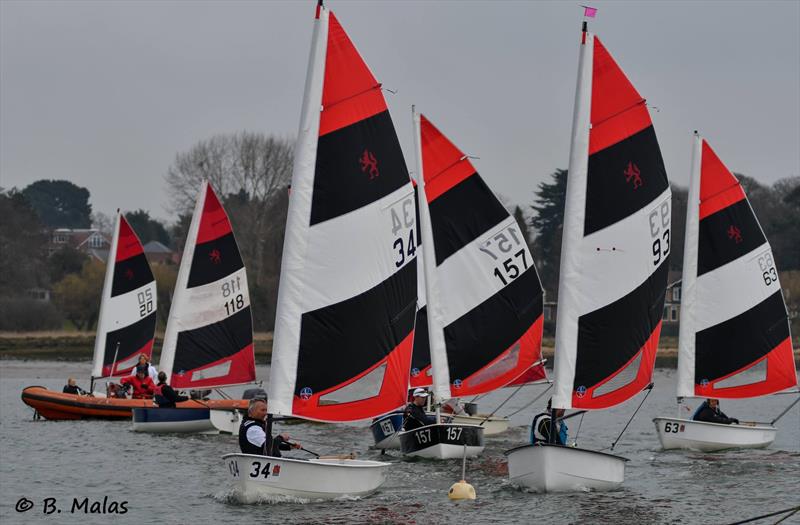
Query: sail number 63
{"points": [[659, 232]]}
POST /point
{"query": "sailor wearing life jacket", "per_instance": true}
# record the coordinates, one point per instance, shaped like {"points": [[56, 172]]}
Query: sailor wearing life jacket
{"points": [[253, 435], [540, 428], [143, 386], [165, 396]]}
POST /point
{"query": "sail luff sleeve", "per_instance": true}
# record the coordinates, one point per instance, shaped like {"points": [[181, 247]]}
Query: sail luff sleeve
{"points": [[686, 335], [566, 340], [283, 371]]}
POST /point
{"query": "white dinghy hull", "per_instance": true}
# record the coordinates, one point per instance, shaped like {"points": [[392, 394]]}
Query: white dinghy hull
{"points": [[226, 421], [556, 468], [442, 441], [676, 433], [491, 427], [259, 478]]}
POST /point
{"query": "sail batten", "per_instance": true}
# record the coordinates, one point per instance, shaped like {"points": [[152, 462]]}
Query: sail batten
{"points": [[733, 315], [347, 295]]}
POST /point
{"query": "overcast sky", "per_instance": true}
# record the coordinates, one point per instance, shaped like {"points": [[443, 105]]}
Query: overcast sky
{"points": [[106, 93]]}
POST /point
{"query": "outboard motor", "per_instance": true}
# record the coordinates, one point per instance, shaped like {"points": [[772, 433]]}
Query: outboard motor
{"points": [[254, 393]]}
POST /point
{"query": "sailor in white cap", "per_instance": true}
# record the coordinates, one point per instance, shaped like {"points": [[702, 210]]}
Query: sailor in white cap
{"points": [[415, 415]]}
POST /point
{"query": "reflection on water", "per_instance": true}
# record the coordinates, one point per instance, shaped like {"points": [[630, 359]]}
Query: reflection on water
{"points": [[181, 479]]}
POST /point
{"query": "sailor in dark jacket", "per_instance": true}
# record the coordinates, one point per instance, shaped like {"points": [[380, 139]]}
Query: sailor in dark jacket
{"points": [[253, 435], [415, 416], [709, 412], [165, 396], [72, 388]]}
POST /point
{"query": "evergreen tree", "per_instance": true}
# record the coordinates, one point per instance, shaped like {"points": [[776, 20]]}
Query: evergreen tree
{"points": [[60, 203], [548, 219]]}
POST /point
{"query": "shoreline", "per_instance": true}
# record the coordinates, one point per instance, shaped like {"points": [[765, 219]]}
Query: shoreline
{"points": [[79, 346]]}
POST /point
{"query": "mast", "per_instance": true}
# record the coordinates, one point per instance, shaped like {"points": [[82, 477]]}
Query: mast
{"points": [[283, 369], [566, 340], [169, 346], [441, 374], [100, 339], [686, 333]]}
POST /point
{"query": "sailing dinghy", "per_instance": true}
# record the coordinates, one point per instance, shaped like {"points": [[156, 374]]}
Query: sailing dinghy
{"points": [[125, 329], [484, 297], [613, 273], [209, 337], [347, 295], [734, 339]]}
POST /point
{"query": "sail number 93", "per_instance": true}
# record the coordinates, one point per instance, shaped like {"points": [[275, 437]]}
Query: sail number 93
{"points": [[404, 217], [659, 232]]}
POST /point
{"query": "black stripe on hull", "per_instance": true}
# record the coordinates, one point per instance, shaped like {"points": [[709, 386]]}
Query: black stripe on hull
{"points": [[733, 344], [340, 341], [726, 235], [609, 337], [357, 165], [202, 346], [214, 260], [462, 214], [622, 179], [130, 339], [478, 337], [446, 434], [130, 274], [421, 356]]}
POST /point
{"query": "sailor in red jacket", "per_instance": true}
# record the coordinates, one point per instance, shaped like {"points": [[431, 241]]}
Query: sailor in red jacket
{"points": [[143, 386]]}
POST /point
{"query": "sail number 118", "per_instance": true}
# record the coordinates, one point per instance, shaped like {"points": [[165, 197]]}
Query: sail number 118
{"points": [[231, 291]]}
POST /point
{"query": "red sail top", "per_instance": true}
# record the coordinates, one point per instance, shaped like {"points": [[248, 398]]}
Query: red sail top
{"points": [[718, 187], [618, 110], [128, 244], [214, 221], [350, 93], [443, 164]]}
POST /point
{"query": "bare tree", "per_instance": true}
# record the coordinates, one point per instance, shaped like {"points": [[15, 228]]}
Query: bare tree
{"points": [[251, 173]]}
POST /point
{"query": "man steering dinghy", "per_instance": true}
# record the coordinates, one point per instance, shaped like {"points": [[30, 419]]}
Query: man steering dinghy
{"points": [[255, 437]]}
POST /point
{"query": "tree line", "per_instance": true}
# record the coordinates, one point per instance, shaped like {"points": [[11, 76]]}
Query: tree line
{"points": [[251, 174]]}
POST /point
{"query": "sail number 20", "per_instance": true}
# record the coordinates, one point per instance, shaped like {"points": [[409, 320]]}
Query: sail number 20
{"points": [[659, 232]]}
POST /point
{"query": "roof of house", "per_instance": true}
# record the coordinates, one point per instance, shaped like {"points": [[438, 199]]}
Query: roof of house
{"points": [[156, 247]]}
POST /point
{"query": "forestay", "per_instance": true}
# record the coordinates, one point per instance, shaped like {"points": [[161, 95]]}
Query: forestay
{"points": [[209, 336], [347, 295], [734, 330], [127, 322], [484, 295], [616, 241]]}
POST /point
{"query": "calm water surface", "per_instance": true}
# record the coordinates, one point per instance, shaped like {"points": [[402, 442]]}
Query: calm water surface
{"points": [[181, 479]]}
